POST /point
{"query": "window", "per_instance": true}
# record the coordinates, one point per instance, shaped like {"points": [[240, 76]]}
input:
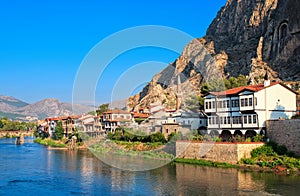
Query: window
{"points": [[209, 120], [254, 119], [240, 120], [250, 119], [245, 119], [213, 120], [219, 104], [213, 104], [233, 103], [206, 105], [227, 104], [224, 120], [224, 104], [209, 105], [228, 120], [255, 101], [250, 102], [167, 130], [242, 102], [246, 102], [236, 120]]}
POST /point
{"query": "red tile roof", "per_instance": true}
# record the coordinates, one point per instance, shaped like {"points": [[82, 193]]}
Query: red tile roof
{"points": [[140, 115], [116, 112], [237, 90]]}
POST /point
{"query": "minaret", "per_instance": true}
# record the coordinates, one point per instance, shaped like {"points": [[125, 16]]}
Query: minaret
{"points": [[266, 79], [178, 94]]}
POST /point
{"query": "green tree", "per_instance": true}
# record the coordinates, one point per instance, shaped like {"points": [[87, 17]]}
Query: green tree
{"points": [[233, 82], [205, 89], [102, 108], [158, 137], [59, 131], [195, 103], [92, 113], [223, 84]]}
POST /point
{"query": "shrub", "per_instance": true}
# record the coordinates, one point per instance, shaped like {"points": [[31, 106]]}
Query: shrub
{"points": [[158, 137], [263, 150], [247, 161], [248, 139], [258, 138]]}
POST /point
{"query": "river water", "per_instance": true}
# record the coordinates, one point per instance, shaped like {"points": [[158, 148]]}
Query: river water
{"points": [[32, 169]]}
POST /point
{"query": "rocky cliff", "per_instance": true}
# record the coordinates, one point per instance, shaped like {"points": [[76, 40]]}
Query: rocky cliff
{"points": [[247, 37]]}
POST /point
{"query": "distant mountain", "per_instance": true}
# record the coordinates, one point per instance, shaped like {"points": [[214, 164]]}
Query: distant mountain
{"points": [[13, 108], [10, 104]]}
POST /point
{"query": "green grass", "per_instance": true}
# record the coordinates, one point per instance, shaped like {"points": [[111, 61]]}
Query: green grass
{"points": [[103, 148], [49, 142], [204, 163]]}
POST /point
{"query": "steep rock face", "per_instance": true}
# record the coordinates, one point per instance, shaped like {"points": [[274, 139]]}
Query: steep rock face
{"points": [[256, 33], [247, 37]]}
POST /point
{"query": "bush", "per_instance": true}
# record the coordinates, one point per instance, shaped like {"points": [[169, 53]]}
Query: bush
{"points": [[263, 150], [279, 149], [258, 138], [247, 161]]}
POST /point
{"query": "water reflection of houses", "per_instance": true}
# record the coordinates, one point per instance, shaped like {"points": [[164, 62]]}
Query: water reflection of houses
{"points": [[211, 181]]}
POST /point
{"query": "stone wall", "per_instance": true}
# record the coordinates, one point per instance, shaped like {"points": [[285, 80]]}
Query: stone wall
{"points": [[285, 132], [220, 152]]}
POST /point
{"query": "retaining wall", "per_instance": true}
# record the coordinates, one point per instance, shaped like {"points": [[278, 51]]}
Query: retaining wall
{"points": [[285, 132], [218, 151]]}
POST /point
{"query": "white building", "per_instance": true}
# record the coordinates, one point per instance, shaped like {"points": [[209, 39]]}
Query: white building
{"points": [[191, 120], [245, 110], [113, 119]]}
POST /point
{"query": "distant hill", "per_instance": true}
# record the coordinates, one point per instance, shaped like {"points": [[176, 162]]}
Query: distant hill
{"points": [[13, 108], [10, 104]]}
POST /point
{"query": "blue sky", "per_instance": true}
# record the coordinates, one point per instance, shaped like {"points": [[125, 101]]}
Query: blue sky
{"points": [[42, 43]]}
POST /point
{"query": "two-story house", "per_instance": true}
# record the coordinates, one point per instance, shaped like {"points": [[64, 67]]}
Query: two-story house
{"points": [[245, 110], [113, 119]]}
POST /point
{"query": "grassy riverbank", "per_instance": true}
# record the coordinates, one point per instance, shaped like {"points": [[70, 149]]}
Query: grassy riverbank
{"points": [[205, 163], [132, 149], [50, 142]]}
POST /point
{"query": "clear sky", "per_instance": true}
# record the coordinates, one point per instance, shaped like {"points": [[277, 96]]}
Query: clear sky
{"points": [[42, 43]]}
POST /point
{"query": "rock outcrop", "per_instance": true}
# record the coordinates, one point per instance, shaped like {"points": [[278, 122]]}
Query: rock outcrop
{"points": [[247, 37]]}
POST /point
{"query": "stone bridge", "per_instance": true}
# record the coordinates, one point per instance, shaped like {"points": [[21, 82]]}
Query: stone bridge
{"points": [[15, 133]]}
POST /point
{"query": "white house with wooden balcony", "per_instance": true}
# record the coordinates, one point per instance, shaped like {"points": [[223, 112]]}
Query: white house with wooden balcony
{"points": [[113, 119], [245, 110]]}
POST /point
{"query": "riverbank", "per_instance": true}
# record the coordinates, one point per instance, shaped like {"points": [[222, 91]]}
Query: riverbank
{"points": [[267, 158], [57, 144]]}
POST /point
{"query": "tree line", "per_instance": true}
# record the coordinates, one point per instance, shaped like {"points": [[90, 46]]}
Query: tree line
{"points": [[8, 125]]}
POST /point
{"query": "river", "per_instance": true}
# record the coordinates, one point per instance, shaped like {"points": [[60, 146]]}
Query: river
{"points": [[32, 169]]}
